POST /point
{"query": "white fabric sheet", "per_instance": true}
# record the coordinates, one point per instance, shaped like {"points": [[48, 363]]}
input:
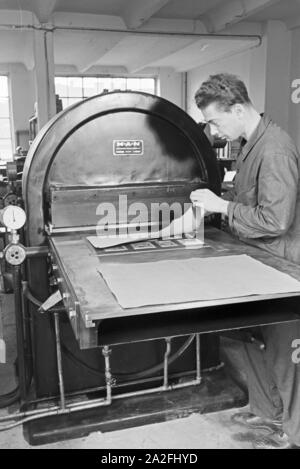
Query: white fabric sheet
{"points": [[184, 280]]}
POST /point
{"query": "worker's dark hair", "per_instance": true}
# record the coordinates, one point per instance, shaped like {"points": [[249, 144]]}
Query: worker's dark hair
{"points": [[224, 89]]}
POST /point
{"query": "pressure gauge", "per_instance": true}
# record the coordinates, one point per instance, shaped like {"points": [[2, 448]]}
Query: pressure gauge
{"points": [[15, 254], [13, 217]]}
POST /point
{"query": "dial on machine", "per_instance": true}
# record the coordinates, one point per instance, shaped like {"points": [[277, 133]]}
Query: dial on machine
{"points": [[13, 218]]}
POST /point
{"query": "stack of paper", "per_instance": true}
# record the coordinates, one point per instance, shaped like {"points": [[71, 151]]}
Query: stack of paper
{"points": [[196, 279]]}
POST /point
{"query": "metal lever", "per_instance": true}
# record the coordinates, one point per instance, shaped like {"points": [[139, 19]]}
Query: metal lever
{"points": [[50, 302]]}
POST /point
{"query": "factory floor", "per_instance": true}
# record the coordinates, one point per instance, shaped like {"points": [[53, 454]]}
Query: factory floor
{"points": [[214, 430]]}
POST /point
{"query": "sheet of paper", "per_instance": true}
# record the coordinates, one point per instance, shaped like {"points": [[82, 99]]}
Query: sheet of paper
{"points": [[101, 242], [229, 176], [184, 280]]}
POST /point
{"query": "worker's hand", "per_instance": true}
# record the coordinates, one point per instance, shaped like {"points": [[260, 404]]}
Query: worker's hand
{"points": [[210, 201]]}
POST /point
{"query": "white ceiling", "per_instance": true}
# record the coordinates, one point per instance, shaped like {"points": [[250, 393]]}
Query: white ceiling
{"points": [[283, 10], [137, 35]]}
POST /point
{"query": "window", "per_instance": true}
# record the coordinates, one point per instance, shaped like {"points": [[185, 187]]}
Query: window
{"points": [[5, 127], [73, 89]]}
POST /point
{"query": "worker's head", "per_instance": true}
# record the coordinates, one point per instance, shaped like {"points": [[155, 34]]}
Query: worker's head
{"points": [[224, 102]]}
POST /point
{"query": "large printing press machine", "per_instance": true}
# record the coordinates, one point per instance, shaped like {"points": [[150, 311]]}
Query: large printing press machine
{"points": [[111, 336]]}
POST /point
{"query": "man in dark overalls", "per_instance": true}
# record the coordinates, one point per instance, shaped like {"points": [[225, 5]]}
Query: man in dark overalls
{"points": [[263, 209]]}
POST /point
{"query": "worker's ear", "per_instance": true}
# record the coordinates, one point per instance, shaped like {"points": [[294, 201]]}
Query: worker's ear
{"points": [[238, 110]]}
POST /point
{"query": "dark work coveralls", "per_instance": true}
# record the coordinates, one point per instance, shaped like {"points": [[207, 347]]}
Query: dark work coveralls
{"points": [[264, 210]]}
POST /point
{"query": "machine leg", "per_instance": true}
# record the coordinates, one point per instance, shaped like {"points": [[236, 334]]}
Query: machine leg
{"points": [[106, 351], [166, 362], [20, 332], [198, 359], [59, 362]]}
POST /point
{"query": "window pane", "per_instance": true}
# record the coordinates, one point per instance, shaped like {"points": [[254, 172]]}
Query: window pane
{"points": [[5, 149], [3, 86], [148, 85], [75, 87], [61, 86], [65, 102], [119, 84], [133, 84], [104, 84], [4, 107], [148, 91], [82, 87], [74, 100], [90, 86], [5, 131], [5, 128]]}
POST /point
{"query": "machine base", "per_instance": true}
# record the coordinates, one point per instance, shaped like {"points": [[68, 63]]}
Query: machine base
{"points": [[216, 392]]}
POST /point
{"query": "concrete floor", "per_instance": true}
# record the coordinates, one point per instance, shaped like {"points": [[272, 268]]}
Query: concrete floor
{"points": [[210, 431], [214, 431]]}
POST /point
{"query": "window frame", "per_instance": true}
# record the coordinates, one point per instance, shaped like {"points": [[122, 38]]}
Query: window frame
{"points": [[8, 119], [66, 99]]}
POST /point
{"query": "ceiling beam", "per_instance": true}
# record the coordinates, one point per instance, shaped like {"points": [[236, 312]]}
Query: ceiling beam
{"points": [[13, 17], [138, 12], [71, 70], [158, 51], [97, 47], [212, 54], [116, 23], [293, 22], [157, 26], [233, 12], [43, 9], [88, 21], [247, 28]]}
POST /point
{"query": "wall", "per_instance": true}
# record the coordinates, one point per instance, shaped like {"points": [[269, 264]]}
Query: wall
{"points": [[171, 86], [294, 104], [257, 75], [247, 65], [267, 71], [22, 93], [278, 62]]}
